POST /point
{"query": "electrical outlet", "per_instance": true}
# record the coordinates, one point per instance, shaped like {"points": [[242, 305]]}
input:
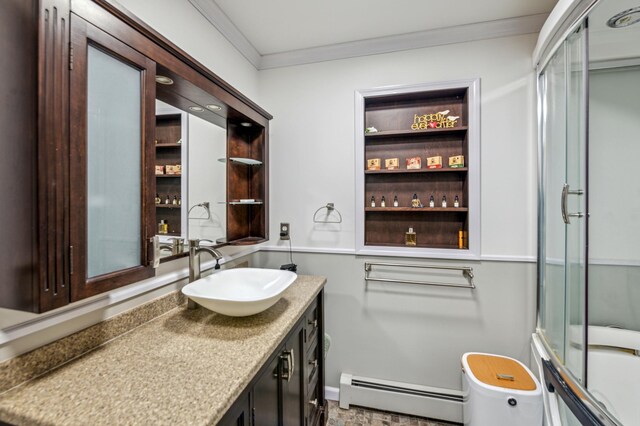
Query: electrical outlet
{"points": [[284, 230]]}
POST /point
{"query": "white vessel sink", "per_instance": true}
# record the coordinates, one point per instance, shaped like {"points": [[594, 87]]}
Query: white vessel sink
{"points": [[240, 292]]}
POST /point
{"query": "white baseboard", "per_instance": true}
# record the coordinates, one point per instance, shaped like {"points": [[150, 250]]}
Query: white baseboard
{"points": [[331, 393]]}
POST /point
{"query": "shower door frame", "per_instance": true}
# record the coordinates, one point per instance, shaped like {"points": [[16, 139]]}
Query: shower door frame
{"points": [[573, 390]]}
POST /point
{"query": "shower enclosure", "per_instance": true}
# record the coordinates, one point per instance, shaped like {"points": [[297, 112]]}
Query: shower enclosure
{"points": [[588, 73]]}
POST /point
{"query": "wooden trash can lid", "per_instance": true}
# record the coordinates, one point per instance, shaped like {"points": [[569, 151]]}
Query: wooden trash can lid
{"points": [[500, 371]]}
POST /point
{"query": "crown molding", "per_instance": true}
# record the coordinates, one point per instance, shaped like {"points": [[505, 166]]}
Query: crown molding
{"points": [[212, 13], [417, 40], [438, 37]]}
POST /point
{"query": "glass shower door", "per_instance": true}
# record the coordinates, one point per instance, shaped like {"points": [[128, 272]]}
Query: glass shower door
{"points": [[562, 227]]}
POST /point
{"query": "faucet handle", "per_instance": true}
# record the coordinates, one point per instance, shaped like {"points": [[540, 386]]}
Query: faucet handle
{"points": [[196, 242]]}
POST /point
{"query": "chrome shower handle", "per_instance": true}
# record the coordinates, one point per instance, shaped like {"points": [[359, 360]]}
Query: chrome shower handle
{"points": [[566, 191]]}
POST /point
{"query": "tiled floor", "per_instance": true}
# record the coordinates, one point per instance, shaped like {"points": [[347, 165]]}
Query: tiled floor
{"points": [[359, 416]]}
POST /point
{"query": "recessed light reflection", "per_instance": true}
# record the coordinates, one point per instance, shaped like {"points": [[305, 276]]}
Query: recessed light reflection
{"points": [[214, 107], [245, 124], [196, 108]]}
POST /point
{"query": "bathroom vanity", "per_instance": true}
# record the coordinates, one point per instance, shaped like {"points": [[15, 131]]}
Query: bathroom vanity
{"points": [[192, 367]]}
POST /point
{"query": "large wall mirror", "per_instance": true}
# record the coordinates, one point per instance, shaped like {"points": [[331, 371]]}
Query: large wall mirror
{"points": [[191, 151]]}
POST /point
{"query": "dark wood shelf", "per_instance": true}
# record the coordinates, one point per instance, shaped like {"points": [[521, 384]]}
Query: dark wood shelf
{"points": [[168, 206], [417, 209], [247, 241], [248, 203], [168, 145], [168, 176], [409, 133], [396, 171], [434, 246]]}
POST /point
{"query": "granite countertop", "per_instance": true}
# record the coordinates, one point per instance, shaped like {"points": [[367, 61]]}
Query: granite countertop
{"points": [[186, 366]]}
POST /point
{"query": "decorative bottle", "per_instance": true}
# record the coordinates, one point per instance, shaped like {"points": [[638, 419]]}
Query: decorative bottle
{"points": [[410, 238], [373, 201], [432, 201], [456, 202], [383, 202], [395, 201], [444, 201]]}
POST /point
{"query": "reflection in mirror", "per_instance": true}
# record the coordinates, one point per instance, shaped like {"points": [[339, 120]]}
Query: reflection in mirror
{"points": [[171, 143], [190, 200], [206, 181]]}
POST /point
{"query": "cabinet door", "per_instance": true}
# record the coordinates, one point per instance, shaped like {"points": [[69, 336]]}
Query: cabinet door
{"points": [[293, 378], [34, 40], [266, 394], [239, 414], [111, 162]]}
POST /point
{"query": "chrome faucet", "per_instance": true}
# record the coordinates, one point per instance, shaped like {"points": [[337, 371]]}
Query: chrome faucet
{"points": [[194, 258], [194, 263]]}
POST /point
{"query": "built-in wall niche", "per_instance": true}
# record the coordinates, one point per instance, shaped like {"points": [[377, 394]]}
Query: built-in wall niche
{"points": [[418, 148]]}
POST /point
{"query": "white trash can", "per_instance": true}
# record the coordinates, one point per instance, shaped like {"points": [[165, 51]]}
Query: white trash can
{"points": [[499, 391]]}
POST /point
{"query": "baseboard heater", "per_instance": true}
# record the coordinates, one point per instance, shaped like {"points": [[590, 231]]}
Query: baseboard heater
{"points": [[406, 398]]}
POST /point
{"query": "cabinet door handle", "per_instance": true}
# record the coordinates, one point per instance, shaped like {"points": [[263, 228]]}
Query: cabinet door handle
{"points": [[313, 322], [314, 402], [314, 363], [289, 356], [563, 203]]}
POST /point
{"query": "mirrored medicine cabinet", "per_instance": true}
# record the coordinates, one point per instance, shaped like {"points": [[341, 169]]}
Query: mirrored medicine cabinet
{"points": [[124, 140]]}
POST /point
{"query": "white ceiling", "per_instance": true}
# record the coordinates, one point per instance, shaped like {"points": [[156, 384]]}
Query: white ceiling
{"points": [[282, 25], [286, 32]]}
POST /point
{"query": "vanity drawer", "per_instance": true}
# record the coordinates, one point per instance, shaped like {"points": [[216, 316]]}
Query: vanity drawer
{"points": [[312, 363], [312, 323], [314, 406]]}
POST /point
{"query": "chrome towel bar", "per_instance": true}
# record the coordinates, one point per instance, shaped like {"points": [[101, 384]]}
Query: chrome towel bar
{"points": [[467, 272]]}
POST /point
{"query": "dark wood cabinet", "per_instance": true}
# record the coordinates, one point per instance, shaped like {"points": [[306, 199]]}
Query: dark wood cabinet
{"points": [[45, 94], [289, 389], [439, 201], [34, 41]]}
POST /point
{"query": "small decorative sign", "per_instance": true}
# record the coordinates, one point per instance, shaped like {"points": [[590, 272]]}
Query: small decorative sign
{"points": [[439, 120], [414, 163], [373, 164], [159, 170], [456, 161], [173, 170], [434, 162], [391, 163]]}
